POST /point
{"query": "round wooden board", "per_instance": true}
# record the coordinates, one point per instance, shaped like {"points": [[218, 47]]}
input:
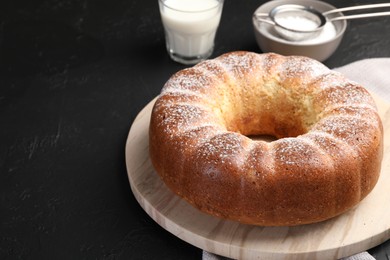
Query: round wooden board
{"points": [[361, 228]]}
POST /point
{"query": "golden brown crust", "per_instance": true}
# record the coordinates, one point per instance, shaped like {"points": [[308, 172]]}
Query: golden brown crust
{"points": [[326, 160]]}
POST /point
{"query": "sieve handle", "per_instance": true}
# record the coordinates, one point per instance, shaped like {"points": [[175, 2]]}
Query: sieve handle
{"points": [[358, 7], [357, 16]]}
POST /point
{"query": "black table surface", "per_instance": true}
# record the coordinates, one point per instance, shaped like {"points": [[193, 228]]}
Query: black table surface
{"points": [[73, 77]]}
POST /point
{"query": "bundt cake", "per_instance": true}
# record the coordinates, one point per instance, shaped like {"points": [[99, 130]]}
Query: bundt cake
{"points": [[325, 159]]}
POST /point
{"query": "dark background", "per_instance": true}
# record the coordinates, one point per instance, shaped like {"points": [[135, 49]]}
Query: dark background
{"points": [[73, 76]]}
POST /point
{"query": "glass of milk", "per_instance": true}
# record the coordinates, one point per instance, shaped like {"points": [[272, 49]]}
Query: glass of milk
{"points": [[190, 27]]}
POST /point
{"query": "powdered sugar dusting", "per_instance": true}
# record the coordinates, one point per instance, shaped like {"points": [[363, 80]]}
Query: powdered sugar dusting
{"points": [[295, 152], [347, 94], [213, 68], [330, 145], [260, 159], [193, 79], [353, 130], [195, 136], [362, 110], [241, 64], [177, 118], [302, 68], [222, 148], [182, 93]]}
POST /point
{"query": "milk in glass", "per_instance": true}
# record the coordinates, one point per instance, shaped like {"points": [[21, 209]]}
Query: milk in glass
{"points": [[190, 27]]}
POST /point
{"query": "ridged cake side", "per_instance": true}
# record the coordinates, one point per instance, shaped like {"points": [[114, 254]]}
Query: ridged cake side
{"points": [[326, 159]]}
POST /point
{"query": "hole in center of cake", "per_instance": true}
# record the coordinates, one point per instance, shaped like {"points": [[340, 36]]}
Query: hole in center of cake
{"points": [[266, 138]]}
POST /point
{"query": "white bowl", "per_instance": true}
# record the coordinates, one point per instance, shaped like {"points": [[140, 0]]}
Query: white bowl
{"points": [[269, 41]]}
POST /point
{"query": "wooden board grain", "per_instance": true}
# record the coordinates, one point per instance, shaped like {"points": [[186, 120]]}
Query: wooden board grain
{"points": [[361, 228]]}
